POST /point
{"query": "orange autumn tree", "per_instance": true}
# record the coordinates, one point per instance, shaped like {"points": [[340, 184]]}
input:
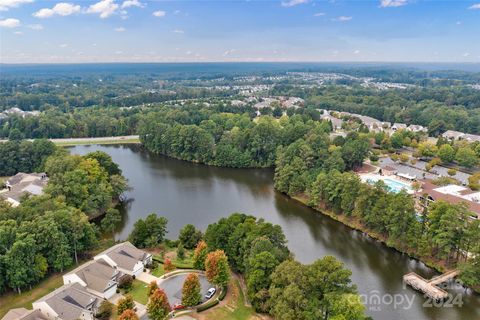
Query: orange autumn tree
{"points": [[128, 314], [217, 269], [191, 291], [168, 265], [200, 255], [158, 306]]}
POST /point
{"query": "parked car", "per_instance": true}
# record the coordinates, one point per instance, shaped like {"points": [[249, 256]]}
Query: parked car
{"points": [[178, 307], [210, 293]]}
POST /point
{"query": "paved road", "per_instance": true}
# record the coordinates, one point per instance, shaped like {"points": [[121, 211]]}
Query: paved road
{"points": [[173, 287]]}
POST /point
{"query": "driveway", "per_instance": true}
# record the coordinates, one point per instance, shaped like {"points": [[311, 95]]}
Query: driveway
{"points": [[146, 277], [173, 287]]}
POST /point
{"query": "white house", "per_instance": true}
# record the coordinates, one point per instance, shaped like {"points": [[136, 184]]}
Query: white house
{"points": [[97, 277], [126, 258], [69, 302]]}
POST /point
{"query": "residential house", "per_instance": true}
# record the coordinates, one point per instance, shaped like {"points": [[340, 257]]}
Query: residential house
{"points": [[471, 137], [451, 194], [336, 123], [388, 170], [24, 314], [371, 123], [399, 126], [97, 277], [24, 183], [69, 302], [417, 128], [453, 135], [126, 258]]}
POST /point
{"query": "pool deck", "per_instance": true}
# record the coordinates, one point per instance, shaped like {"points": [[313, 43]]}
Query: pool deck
{"points": [[375, 177]]}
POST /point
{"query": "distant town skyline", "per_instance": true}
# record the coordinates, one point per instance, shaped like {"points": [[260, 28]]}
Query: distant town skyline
{"points": [[41, 31]]}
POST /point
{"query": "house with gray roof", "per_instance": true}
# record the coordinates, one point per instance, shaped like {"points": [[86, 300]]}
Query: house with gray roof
{"points": [[69, 302], [97, 276], [471, 137], [22, 184], [126, 258], [399, 126], [24, 314], [417, 128], [336, 123], [453, 135]]}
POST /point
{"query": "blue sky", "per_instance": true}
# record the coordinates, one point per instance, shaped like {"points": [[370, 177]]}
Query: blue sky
{"points": [[50, 31]]}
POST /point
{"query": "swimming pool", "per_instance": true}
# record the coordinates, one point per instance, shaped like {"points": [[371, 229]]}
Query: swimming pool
{"points": [[393, 185]]}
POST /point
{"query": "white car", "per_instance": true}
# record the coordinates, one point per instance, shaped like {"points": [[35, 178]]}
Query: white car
{"points": [[210, 293]]}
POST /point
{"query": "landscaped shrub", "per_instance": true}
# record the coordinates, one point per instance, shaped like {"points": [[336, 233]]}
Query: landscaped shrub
{"points": [[125, 282], [208, 305], [105, 310], [223, 293]]}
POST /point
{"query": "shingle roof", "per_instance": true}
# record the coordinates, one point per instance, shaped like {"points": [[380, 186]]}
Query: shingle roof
{"points": [[97, 274], [125, 255], [70, 301], [24, 314]]}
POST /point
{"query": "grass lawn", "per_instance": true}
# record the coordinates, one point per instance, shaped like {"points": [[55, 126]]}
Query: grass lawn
{"points": [[139, 291], [159, 271], [234, 309], [13, 300]]}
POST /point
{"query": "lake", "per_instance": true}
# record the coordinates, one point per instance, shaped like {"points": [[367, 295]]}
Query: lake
{"points": [[190, 193]]}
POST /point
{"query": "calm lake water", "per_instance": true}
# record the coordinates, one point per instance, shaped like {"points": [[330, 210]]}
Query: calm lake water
{"points": [[189, 193]]}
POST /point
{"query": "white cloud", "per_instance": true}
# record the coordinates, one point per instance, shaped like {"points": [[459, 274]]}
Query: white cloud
{"points": [[178, 31], [19, 33], [319, 14], [356, 52], [466, 54], [176, 12], [459, 23], [159, 13], [63, 45], [35, 26], [10, 23], [475, 7], [392, 3], [132, 3], [61, 9], [229, 52], [7, 4], [120, 29], [291, 3], [104, 7], [343, 18]]}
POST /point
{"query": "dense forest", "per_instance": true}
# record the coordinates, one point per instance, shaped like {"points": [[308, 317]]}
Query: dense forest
{"points": [[234, 140], [49, 233]]}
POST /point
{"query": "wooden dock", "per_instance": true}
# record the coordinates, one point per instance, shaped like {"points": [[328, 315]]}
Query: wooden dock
{"points": [[429, 287]]}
